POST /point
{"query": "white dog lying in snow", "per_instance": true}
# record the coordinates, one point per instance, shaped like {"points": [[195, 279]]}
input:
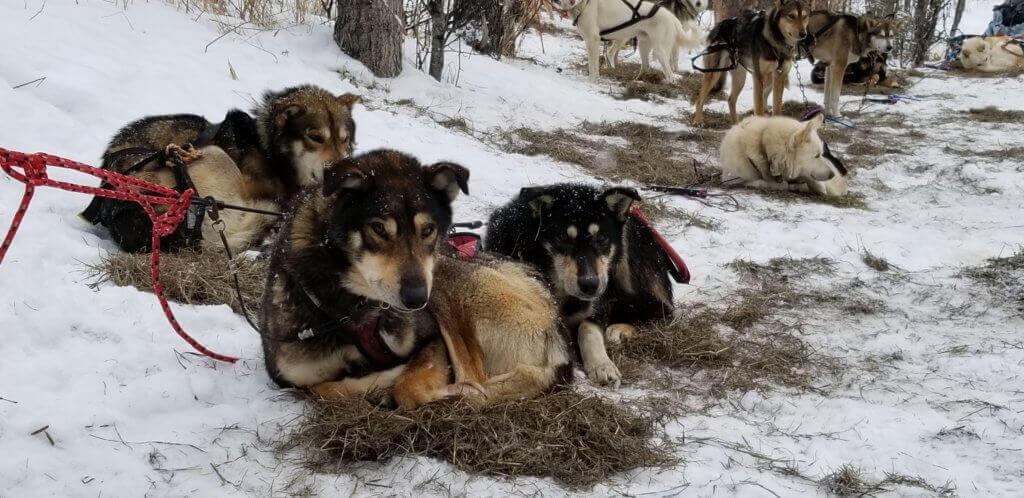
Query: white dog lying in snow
{"points": [[775, 152], [992, 54]]}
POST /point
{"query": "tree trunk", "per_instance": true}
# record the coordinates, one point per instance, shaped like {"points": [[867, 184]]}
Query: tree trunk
{"points": [[926, 17], [493, 20], [957, 15], [438, 32], [370, 31]]}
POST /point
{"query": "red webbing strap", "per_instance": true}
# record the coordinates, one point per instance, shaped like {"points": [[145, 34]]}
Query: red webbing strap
{"points": [[146, 194], [680, 272]]}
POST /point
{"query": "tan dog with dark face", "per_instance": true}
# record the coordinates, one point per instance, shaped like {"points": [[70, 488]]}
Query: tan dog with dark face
{"points": [[361, 296], [764, 44]]}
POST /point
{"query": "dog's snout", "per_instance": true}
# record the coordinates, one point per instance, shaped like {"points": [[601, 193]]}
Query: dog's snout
{"points": [[803, 34], [414, 293], [888, 48], [588, 284]]}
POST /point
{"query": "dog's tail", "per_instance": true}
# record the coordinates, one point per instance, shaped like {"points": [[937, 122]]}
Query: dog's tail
{"points": [[714, 60], [688, 35]]}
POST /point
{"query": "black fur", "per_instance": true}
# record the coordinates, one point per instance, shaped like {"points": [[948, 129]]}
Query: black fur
{"points": [[312, 263], [858, 72], [518, 231]]}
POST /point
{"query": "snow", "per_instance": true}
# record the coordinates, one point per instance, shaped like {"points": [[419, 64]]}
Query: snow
{"points": [[129, 415]]}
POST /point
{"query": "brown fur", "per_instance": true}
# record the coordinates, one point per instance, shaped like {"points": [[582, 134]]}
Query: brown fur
{"points": [[780, 30]]}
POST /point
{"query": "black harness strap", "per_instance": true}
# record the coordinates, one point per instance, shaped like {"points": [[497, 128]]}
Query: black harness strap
{"points": [[635, 18]]}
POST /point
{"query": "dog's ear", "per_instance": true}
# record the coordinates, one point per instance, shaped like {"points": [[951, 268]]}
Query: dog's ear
{"points": [[866, 24], [447, 177], [348, 100], [344, 175], [619, 200], [285, 112], [804, 133], [538, 198]]}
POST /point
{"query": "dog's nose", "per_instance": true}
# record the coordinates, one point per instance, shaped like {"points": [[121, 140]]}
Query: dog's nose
{"points": [[803, 34], [588, 284], [888, 48], [414, 294]]}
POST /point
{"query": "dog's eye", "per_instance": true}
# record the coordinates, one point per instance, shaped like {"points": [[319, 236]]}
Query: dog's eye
{"points": [[601, 238], [427, 231], [379, 229], [315, 138]]}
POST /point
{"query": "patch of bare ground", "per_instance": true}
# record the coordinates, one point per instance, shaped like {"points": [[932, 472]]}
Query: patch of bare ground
{"points": [[665, 215], [993, 114], [652, 84], [852, 200], [750, 341], [636, 151], [191, 277], [548, 28], [577, 439], [1015, 153], [1003, 277], [849, 480]]}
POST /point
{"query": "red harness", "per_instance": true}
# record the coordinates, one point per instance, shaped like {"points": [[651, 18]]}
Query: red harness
{"points": [[679, 271], [146, 194]]}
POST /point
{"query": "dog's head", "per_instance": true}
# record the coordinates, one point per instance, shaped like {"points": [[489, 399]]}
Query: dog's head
{"points": [[791, 17], [580, 227], [974, 52], [880, 32], [805, 152], [386, 215], [308, 127], [567, 5]]}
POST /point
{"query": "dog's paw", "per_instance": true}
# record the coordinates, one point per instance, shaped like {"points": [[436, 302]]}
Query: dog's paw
{"points": [[466, 389], [604, 373], [616, 332]]}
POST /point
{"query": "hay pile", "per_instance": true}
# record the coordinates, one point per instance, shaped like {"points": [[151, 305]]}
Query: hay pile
{"points": [[1004, 279], [577, 439], [191, 277]]}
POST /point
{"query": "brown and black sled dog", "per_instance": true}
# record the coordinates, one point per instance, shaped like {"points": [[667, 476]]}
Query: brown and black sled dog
{"points": [[363, 294], [761, 43], [257, 161]]}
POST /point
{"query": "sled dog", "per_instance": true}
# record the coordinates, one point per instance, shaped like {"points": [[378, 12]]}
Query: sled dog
{"points": [[775, 152], [362, 294], [992, 54], [602, 264], [839, 40], [872, 69], [655, 28], [761, 43], [281, 147]]}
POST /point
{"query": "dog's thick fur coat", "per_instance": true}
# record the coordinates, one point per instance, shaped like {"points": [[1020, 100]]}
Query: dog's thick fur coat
{"points": [[992, 54], [775, 152], [265, 158], [763, 44], [602, 263], [839, 40], [661, 33], [361, 295]]}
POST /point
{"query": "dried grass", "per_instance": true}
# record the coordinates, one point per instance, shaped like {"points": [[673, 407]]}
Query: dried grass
{"points": [[1003, 277], [635, 151], [992, 114], [575, 438], [190, 277]]}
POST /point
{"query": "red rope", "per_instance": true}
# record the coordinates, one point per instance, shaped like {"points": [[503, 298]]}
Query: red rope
{"points": [[146, 194], [676, 259]]}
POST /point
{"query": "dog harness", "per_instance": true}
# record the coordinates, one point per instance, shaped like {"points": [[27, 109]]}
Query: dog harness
{"points": [[635, 17]]}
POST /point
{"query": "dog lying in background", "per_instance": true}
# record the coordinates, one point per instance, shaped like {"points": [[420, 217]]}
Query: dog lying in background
{"points": [[655, 28], [603, 265], [777, 152], [872, 69], [838, 40], [992, 54], [263, 160], [761, 43], [362, 295]]}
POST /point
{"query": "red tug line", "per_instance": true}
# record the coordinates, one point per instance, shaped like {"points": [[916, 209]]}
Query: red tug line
{"points": [[146, 194]]}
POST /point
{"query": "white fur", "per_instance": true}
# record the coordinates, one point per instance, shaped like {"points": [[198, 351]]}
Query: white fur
{"points": [[773, 152], [991, 54], [310, 165], [663, 33]]}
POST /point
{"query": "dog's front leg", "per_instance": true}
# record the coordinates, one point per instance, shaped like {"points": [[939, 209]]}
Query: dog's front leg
{"points": [[425, 378], [779, 81], [759, 96], [834, 85], [596, 363], [357, 385], [594, 53]]}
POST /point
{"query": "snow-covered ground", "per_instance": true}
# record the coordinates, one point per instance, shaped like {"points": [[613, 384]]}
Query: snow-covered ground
{"points": [[127, 414]]}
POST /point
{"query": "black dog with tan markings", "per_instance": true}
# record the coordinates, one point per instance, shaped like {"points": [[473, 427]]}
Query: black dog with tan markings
{"points": [[601, 262], [362, 294]]}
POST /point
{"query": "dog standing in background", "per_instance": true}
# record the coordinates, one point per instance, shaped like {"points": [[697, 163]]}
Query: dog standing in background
{"points": [[761, 43]]}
